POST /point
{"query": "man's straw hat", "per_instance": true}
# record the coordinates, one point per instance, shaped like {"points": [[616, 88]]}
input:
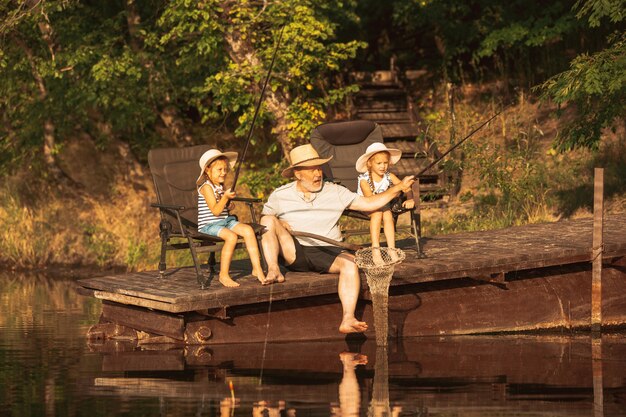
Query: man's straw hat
{"points": [[394, 155], [209, 156], [303, 156]]}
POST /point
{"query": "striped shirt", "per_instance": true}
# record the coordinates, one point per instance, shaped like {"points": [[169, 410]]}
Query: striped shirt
{"points": [[375, 187], [205, 215]]}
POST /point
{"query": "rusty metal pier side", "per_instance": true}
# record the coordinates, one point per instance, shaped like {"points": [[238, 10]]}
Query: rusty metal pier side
{"points": [[519, 279]]}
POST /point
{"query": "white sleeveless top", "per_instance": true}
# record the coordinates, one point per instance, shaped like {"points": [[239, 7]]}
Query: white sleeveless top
{"points": [[205, 215], [379, 187]]}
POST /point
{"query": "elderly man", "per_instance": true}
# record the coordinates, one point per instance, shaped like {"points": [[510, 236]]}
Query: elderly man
{"points": [[309, 204]]}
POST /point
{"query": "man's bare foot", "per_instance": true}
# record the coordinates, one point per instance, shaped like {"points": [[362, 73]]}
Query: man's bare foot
{"points": [[352, 325], [261, 277], [273, 274], [351, 359], [228, 281]]}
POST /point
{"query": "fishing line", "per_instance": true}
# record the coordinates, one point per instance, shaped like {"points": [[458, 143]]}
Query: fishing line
{"points": [[267, 331]]}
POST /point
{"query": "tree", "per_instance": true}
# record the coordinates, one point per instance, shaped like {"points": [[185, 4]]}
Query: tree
{"points": [[154, 72], [594, 83], [239, 37]]}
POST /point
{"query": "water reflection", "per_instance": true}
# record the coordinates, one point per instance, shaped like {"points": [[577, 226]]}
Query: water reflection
{"points": [[47, 367]]}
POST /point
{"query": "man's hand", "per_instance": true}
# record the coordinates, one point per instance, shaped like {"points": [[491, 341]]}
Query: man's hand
{"points": [[285, 225], [406, 183]]}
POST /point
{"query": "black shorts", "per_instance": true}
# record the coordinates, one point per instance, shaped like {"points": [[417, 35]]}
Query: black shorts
{"points": [[314, 258]]}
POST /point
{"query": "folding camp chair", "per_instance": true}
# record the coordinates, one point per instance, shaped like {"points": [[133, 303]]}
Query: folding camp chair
{"points": [[174, 172], [345, 141]]}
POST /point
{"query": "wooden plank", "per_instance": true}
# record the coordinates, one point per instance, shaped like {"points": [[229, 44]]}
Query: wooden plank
{"points": [[447, 257], [149, 321], [596, 250]]}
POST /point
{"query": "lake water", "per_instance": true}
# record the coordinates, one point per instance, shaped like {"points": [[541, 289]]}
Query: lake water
{"points": [[48, 368]]}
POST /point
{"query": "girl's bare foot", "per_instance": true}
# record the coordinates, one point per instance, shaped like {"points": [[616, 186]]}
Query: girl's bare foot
{"points": [[377, 256], [228, 281]]}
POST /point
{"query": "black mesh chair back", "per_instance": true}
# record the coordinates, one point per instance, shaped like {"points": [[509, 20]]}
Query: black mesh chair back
{"points": [[174, 172], [345, 141]]}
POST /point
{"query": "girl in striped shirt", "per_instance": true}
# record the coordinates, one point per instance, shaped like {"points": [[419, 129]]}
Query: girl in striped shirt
{"points": [[214, 218]]}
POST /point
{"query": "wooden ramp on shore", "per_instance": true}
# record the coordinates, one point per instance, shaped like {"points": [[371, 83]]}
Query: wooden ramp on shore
{"points": [[475, 282]]}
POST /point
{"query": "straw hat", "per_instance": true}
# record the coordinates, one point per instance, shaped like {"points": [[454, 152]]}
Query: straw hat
{"points": [[209, 156], [303, 156], [361, 163]]}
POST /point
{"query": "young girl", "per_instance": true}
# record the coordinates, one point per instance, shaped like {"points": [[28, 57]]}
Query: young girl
{"points": [[214, 218], [375, 179]]}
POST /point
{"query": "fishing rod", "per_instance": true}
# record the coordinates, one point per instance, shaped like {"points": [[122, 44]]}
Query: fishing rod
{"points": [[346, 245], [256, 110], [456, 145]]}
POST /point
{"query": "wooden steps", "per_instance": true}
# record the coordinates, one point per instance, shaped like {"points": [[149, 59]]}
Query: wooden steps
{"points": [[382, 100]]}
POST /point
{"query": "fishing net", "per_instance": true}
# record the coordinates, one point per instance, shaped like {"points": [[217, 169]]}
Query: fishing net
{"points": [[379, 264], [379, 404]]}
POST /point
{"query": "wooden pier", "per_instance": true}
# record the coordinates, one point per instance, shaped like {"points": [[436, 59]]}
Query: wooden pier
{"points": [[527, 278]]}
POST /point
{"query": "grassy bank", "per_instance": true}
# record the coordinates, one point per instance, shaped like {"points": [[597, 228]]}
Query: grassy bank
{"points": [[510, 175]]}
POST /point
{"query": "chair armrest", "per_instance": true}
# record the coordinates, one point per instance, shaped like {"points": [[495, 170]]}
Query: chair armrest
{"points": [[247, 200], [167, 207]]}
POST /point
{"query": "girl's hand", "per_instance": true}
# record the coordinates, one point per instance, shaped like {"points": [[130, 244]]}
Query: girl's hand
{"points": [[229, 194], [408, 204]]}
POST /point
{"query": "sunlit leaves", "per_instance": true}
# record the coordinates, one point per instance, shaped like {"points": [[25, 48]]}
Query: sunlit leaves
{"points": [[597, 85], [596, 10]]}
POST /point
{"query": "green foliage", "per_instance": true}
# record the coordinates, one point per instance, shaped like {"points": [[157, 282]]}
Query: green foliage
{"points": [[123, 70], [594, 83], [263, 180], [99, 242], [614, 10], [549, 25], [305, 60]]}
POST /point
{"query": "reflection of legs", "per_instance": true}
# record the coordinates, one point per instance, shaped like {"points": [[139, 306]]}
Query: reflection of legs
{"points": [[263, 409], [245, 231], [230, 240], [276, 241], [348, 289], [349, 395], [227, 407]]}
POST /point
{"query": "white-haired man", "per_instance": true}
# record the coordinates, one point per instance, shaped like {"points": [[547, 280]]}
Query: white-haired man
{"points": [[311, 205]]}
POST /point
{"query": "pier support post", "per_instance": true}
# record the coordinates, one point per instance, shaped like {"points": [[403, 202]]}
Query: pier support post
{"points": [[596, 251]]}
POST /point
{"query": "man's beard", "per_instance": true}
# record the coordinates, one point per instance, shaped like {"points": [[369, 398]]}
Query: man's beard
{"points": [[311, 187]]}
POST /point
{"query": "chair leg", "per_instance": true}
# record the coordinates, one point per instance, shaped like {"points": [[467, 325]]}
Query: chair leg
{"points": [[164, 238], [199, 276], [417, 233], [212, 262]]}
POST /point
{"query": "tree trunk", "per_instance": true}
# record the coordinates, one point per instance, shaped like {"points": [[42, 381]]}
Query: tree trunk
{"points": [[49, 139], [168, 113], [241, 51]]}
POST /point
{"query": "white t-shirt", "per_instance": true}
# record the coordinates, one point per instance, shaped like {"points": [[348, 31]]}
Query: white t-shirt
{"points": [[319, 216]]}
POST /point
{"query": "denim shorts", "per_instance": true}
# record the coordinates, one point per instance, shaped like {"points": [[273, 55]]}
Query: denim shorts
{"points": [[214, 228]]}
